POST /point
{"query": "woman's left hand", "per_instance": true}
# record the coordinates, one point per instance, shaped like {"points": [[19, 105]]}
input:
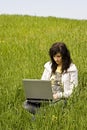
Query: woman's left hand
{"points": [[55, 96]]}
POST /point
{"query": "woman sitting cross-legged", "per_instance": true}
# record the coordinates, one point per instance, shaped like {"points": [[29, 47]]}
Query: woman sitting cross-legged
{"points": [[61, 71]]}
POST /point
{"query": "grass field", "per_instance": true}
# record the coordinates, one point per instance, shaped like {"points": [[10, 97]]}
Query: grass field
{"points": [[24, 45]]}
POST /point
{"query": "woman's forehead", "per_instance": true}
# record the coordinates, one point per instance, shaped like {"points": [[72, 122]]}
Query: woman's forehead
{"points": [[58, 54]]}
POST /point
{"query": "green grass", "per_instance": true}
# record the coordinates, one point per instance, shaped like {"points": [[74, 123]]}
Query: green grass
{"points": [[24, 45]]}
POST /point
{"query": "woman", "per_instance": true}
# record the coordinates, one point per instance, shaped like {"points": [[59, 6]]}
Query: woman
{"points": [[61, 71]]}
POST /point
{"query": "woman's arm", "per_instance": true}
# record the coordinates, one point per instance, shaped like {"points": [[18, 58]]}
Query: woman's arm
{"points": [[69, 84], [68, 89]]}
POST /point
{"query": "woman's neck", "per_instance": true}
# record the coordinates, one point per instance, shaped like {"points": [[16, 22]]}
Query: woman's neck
{"points": [[59, 68]]}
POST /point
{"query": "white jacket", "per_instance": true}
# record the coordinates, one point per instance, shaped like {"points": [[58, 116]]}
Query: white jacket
{"points": [[69, 79]]}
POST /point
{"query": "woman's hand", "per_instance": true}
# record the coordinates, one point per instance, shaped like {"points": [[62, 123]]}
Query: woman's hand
{"points": [[55, 96]]}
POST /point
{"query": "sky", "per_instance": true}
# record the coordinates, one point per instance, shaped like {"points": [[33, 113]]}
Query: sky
{"points": [[73, 9]]}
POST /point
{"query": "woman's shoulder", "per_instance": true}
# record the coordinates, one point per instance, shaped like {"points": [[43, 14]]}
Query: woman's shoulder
{"points": [[47, 65], [72, 67]]}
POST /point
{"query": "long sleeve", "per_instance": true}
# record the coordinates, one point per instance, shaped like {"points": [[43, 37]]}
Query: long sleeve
{"points": [[73, 83], [70, 80]]}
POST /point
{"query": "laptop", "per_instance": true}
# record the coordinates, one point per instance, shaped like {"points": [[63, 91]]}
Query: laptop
{"points": [[37, 90]]}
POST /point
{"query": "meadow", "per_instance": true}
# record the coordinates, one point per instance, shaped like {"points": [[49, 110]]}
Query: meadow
{"points": [[24, 45]]}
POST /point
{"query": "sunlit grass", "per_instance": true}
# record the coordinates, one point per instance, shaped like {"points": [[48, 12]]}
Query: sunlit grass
{"points": [[24, 45]]}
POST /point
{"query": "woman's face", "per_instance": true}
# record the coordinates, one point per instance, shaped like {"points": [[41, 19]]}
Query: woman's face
{"points": [[58, 58]]}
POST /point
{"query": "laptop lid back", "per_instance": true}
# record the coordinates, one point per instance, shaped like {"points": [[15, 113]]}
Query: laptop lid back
{"points": [[37, 90]]}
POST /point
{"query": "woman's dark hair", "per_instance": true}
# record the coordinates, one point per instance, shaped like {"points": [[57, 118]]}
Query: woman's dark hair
{"points": [[60, 47]]}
